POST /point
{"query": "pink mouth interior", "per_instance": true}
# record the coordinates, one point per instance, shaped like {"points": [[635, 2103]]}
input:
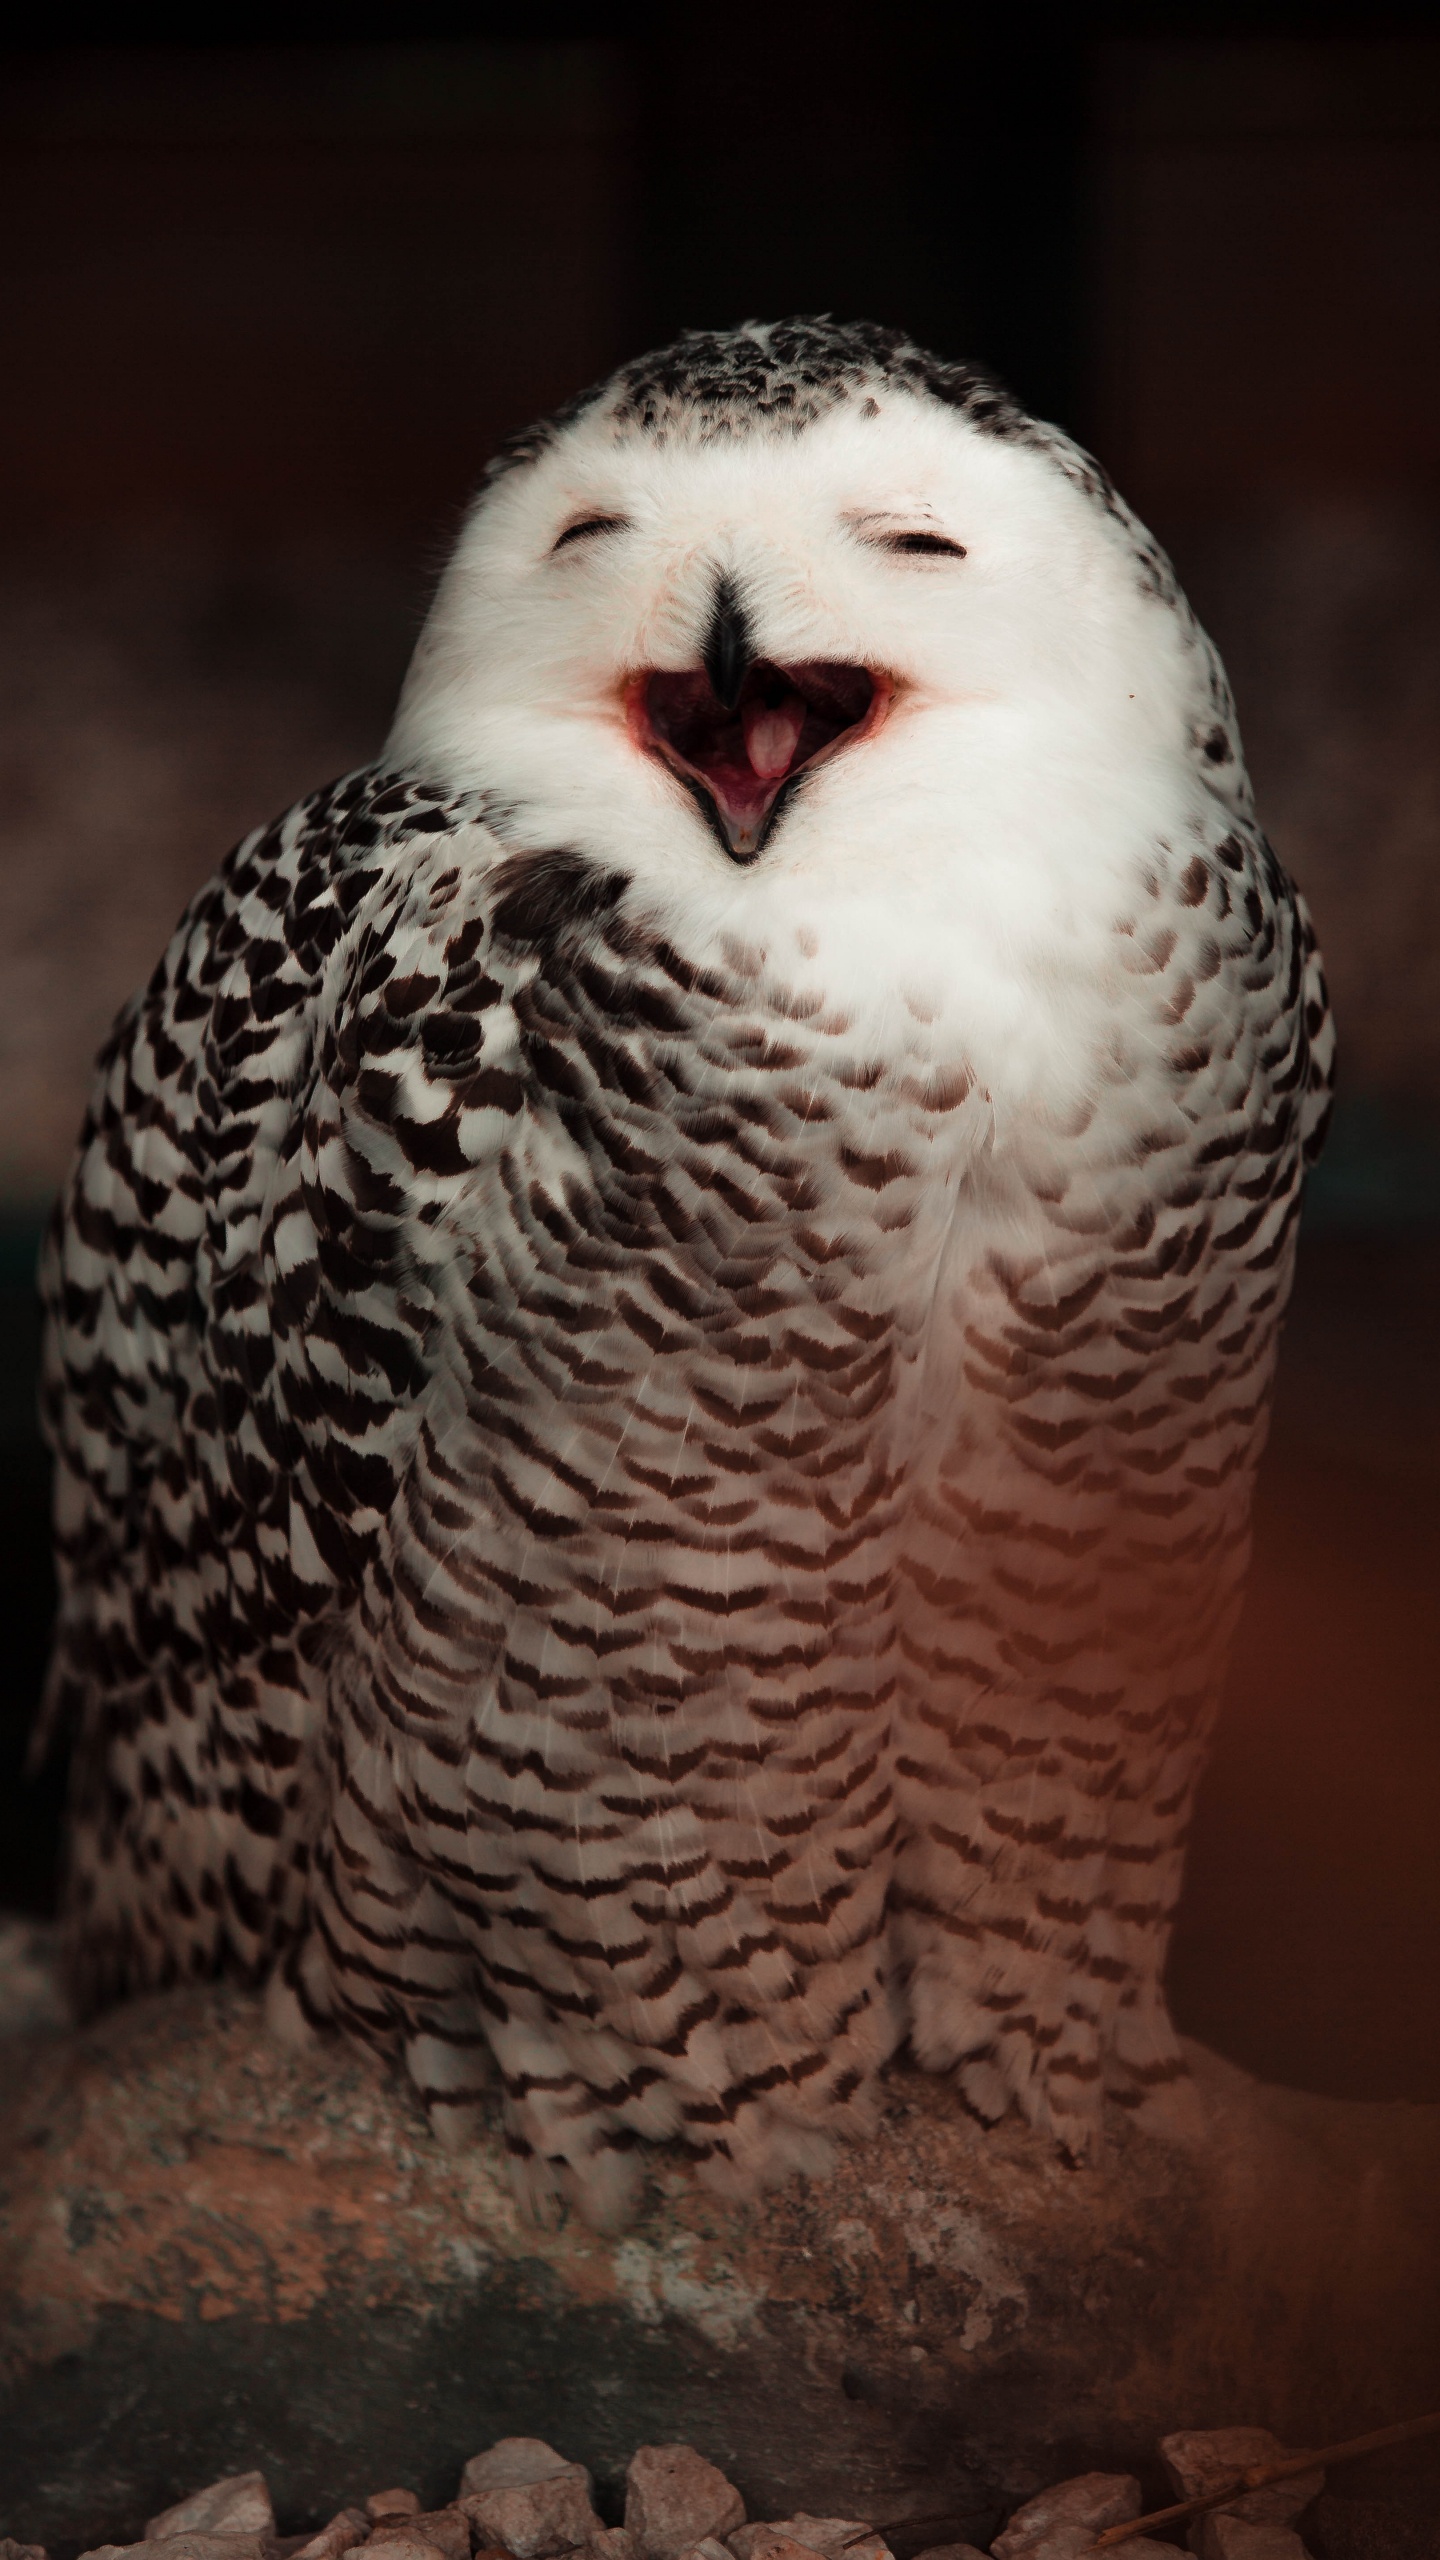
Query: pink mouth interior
{"points": [[786, 719]]}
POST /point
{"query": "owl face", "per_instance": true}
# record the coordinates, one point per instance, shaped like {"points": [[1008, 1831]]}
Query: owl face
{"points": [[886, 683]]}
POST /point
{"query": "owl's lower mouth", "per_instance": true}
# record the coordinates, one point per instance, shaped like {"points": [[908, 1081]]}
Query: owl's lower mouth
{"points": [[742, 763]]}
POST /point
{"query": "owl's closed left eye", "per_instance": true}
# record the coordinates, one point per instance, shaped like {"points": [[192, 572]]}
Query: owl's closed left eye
{"points": [[586, 526]]}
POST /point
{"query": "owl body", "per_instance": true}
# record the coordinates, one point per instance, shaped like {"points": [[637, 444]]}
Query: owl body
{"points": [[661, 1331]]}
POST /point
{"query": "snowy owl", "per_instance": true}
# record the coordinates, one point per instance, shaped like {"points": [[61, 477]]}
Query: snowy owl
{"points": [[660, 1333]]}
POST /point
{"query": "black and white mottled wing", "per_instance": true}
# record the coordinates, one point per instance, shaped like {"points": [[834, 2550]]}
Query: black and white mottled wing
{"points": [[225, 1413]]}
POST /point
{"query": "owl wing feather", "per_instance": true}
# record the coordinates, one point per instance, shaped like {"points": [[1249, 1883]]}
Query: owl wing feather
{"points": [[238, 1332]]}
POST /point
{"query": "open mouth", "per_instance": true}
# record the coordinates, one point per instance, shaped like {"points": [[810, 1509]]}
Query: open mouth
{"points": [[742, 760]]}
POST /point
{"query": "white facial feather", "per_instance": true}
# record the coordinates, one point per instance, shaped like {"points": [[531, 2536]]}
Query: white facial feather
{"points": [[976, 852]]}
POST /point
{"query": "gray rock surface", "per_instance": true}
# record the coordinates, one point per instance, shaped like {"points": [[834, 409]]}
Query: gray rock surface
{"points": [[673, 2498], [1082, 2506], [1227, 2537], [189, 2545], [215, 2254], [834, 2537], [340, 2535], [445, 2530], [1061, 2542], [238, 2505], [775, 2542], [1199, 2460], [524, 2494]]}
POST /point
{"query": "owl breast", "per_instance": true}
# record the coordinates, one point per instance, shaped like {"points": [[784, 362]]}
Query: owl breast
{"points": [[800, 1621], [664, 1541]]}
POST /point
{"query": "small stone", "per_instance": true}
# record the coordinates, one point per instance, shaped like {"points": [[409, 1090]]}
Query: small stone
{"points": [[189, 2546], [1083, 2505], [341, 2534], [674, 2498], [383, 2503], [1225, 2537], [834, 2537], [524, 2494], [238, 2505], [769, 2542], [11, 2550], [193, 2545], [448, 2528], [839, 2537], [612, 2542], [709, 2549], [1077, 2542], [952, 2551], [1201, 2459], [1062, 2542], [445, 2529]]}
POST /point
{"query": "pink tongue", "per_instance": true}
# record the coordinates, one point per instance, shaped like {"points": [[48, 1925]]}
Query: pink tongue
{"points": [[771, 737]]}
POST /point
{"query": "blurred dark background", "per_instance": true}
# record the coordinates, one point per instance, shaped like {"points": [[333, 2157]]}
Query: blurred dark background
{"points": [[268, 301]]}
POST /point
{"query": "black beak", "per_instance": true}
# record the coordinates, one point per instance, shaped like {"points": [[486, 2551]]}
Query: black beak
{"points": [[728, 648]]}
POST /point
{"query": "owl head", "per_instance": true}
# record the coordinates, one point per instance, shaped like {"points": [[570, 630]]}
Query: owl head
{"points": [[799, 625]]}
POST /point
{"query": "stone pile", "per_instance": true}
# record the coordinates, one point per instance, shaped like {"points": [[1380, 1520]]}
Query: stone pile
{"points": [[521, 2500]]}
